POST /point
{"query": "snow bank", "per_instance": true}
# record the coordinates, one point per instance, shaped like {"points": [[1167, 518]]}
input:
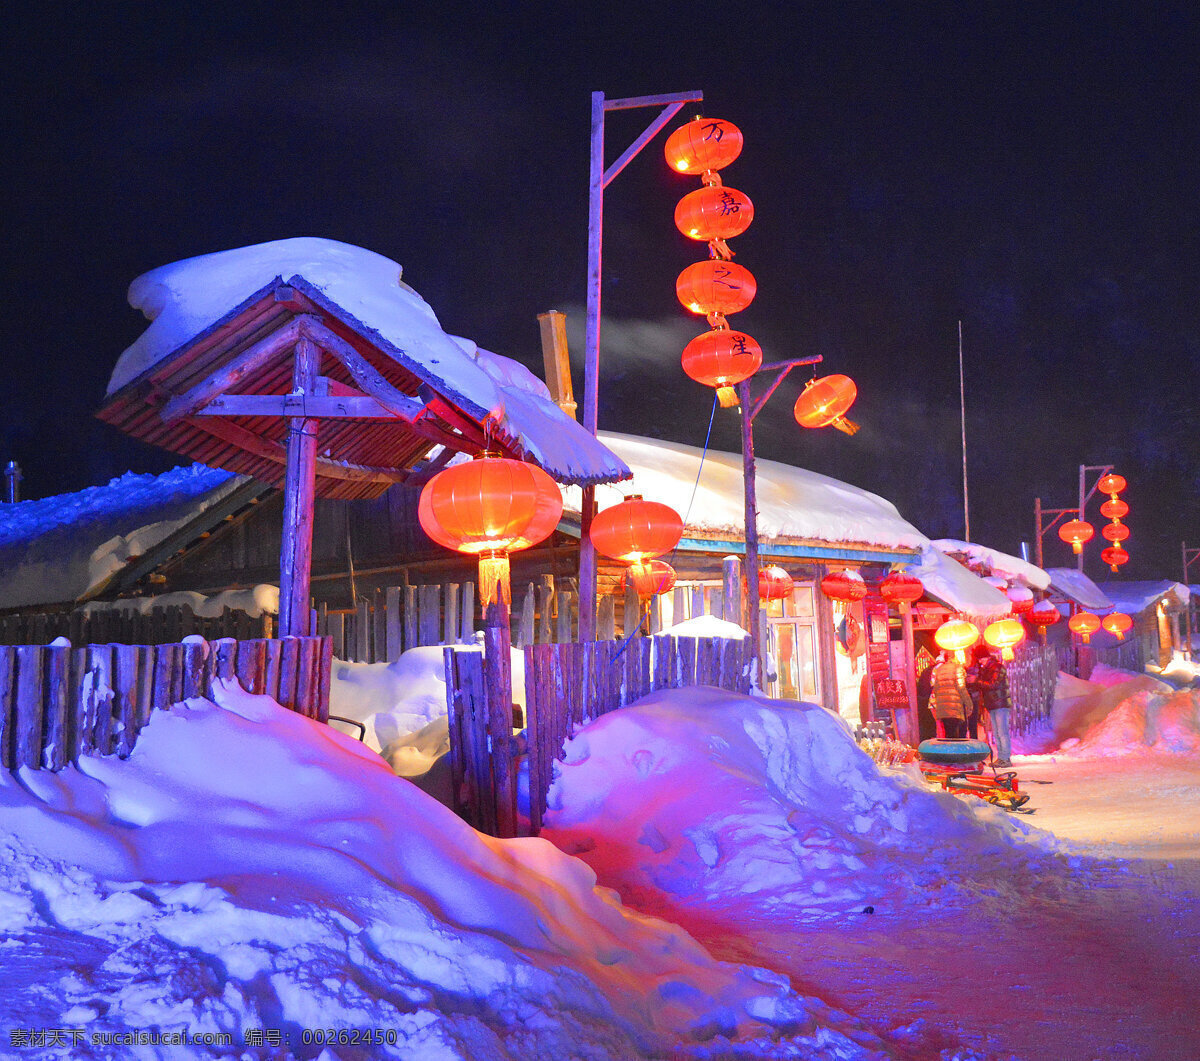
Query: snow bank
{"points": [[1080, 705], [247, 867], [706, 806]]}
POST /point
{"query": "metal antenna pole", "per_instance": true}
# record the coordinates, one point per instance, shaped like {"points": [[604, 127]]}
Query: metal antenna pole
{"points": [[962, 408]]}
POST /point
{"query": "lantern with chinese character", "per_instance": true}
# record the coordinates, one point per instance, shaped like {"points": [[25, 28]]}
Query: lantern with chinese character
{"points": [[1114, 556], [845, 586], [956, 635], [1075, 532], [823, 402], [714, 212], [1004, 634], [722, 358], [636, 530], [1044, 614], [899, 587], [1118, 624], [1111, 484], [715, 286], [774, 584], [1084, 624], [1021, 598], [649, 578], [489, 507], [1114, 508], [703, 144]]}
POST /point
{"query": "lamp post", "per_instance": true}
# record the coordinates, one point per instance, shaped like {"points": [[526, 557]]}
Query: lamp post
{"points": [[599, 180]]}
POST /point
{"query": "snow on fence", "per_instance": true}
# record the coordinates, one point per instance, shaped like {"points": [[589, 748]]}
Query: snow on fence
{"points": [[127, 625], [58, 703], [565, 686]]}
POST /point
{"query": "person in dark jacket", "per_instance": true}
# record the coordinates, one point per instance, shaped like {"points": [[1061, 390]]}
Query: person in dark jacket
{"points": [[996, 701], [949, 700], [974, 689]]}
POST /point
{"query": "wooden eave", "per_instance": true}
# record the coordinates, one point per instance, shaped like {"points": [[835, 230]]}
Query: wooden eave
{"points": [[358, 455]]}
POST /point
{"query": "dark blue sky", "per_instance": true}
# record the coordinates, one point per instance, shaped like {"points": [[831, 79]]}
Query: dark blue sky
{"points": [[1030, 170]]}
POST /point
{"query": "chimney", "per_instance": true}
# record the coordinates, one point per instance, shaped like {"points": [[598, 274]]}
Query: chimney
{"points": [[12, 474], [553, 325]]}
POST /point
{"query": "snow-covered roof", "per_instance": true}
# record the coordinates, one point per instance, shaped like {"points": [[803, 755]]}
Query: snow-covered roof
{"points": [[364, 290], [946, 580], [1012, 568], [1134, 597], [793, 503], [63, 548], [1076, 586]]}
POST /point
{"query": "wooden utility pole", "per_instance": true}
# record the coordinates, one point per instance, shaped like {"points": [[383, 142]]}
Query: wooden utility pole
{"points": [[557, 361]]}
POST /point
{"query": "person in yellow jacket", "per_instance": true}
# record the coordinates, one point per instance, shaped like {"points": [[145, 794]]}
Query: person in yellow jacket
{"points": [[948, 699]]}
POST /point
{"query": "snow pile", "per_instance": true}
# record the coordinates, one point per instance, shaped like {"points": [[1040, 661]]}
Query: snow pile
{"points": [[1080, 705], [248, 868], [702, 805], [707, 626], [262, 599], [1012, 568]]}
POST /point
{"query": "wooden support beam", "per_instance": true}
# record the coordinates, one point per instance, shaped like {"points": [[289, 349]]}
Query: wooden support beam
{"points": [[363, 407], [299, 494]]}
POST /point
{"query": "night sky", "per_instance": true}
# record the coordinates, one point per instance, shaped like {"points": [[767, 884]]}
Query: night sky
{"points": [[1032, 171]]}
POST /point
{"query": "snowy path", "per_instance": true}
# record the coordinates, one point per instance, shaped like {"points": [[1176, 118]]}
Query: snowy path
{"points": [[1103, 968]]}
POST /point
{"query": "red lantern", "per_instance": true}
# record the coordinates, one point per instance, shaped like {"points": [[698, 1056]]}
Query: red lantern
{"points": [[649, 578], [824, 400], [901, 588], [703, 144], [714, 212], [635, 530], [1118, 624], [1044, 613], [846, 586], [1115, 532], [489, 507], [1004, 634], [956, 635], [1021, 598], [1114, 508], [774, 584], [715, 286], [1084, 624], [1075, 532], [1114, 556], [721, 358], [1111, 484]]}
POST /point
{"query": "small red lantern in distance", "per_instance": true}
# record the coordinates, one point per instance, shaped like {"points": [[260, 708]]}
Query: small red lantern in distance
{"points": [[1114, 508], [1075, 532], [649, 578], [774, 584], [703, 144], [901, 588], [636, 530], [1117, 624], [1114, 556], [1021, 598], [715, 286], [846, 586], [1084, 624], [1115, 532], [823, 402], [722, 358], [1044, 613], [714, 212], [1111, 484]]}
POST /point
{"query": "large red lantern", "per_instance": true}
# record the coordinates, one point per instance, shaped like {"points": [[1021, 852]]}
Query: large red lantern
{"points": [[1004, 634], [1084, 624], [636, 530], [1044, 613], [489, 507], [1118, 624], [1021, 598], [1075, 532], [1114, 556], [899, 587], [722, 358], [1115, 532], [714, 212], [703, 144], [956, 635], [845, 586], [649, 578], [715, 286], [1111, 484], [1114, 508], [823, 402], [774, 584]]}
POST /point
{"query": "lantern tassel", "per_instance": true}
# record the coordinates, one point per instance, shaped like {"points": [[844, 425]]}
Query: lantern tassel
{"points": [[842, 424], [719, 249], [727, 397], [494, 579]]}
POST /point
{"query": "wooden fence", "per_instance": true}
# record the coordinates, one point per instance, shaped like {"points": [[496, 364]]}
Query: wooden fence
{"points": [[1032, 676], [58, 703], [128, 626], [565, 686]]}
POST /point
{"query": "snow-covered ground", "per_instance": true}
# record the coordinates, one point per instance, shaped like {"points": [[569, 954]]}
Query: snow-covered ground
{"points": [[250, 873]]}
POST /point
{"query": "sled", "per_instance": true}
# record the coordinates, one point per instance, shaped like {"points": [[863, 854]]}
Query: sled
{"points": [[955, 765]]}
